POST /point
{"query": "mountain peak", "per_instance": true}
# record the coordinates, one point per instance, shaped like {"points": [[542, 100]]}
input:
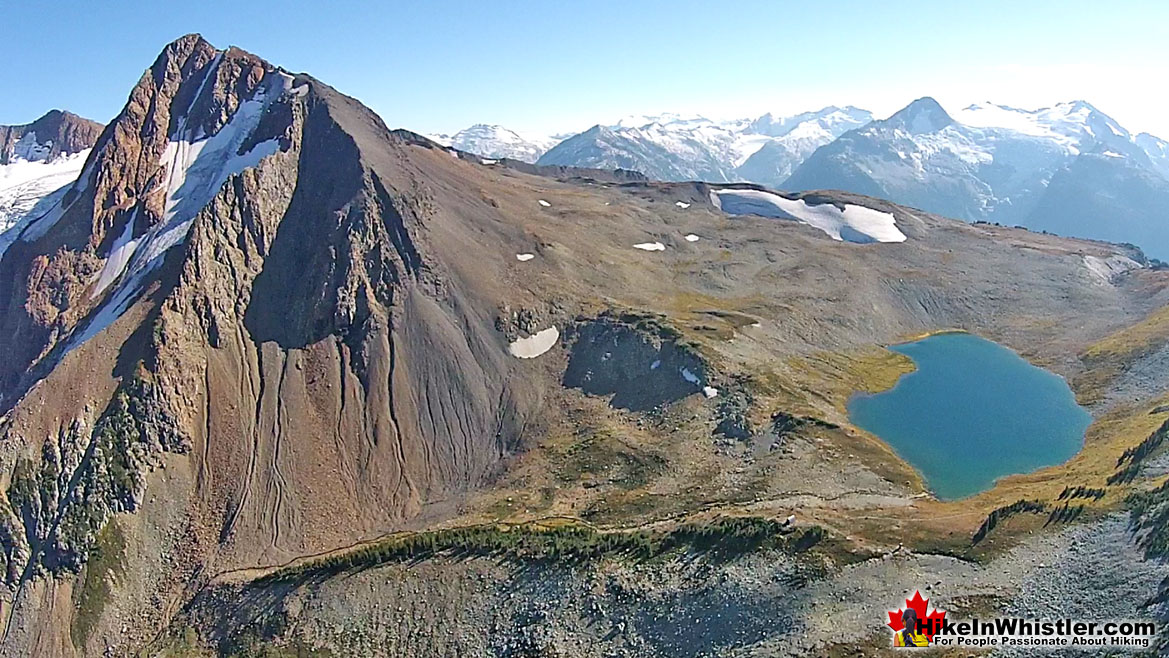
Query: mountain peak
{"points": [[56, 133], [924, 115]]}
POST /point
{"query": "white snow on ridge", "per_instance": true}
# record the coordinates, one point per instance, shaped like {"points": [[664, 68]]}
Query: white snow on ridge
{"points": [[852, 224], [534, 345], [1068, 124], [650, 246], [197, 166]]}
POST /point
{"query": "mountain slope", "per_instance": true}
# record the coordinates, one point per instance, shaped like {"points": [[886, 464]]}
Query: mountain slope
{"points": [[261, 329], [38, 158]]}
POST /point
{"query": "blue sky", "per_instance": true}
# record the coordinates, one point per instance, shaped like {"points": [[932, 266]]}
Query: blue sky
{"points": [[544, 67]]}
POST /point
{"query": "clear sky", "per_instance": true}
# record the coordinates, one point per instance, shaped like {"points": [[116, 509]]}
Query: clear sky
{"points": [[558, 66]]}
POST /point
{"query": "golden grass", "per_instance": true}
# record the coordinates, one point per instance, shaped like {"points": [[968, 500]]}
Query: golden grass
{"points": [[1144, 336]]}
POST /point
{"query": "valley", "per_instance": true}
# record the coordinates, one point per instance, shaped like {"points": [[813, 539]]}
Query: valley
{"points": [[283, 381]]}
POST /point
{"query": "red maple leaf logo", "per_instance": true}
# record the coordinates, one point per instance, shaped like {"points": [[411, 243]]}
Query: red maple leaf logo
{"points": [[919, 606]]}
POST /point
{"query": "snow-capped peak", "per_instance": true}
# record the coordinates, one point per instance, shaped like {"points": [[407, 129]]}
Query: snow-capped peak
{"points": [[1071, 124], [923, 115], [495, 141]]}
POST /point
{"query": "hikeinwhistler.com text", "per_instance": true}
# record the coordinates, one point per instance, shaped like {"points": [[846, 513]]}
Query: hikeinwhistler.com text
{"points": [[1019, 632]]}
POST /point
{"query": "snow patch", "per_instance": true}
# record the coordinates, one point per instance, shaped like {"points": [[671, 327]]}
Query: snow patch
{"points": [[853, 223], [488, 162], [544, 203], [682, 204], [690, 237], [708, 391], [197, 166], [120, 253], [656, 364], [650, 246], [523, 258], [534, 345]]}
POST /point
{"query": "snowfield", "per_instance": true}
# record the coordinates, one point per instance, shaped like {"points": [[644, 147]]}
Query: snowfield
{"points": [[534, 345], [24, 182], [852, 224]]}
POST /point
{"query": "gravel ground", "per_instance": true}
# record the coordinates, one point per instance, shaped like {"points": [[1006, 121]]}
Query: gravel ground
{"points": [[760, 605]]}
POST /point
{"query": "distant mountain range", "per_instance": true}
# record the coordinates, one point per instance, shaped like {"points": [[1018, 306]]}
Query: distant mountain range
{"points": [[492, 141], [1068, 169]]}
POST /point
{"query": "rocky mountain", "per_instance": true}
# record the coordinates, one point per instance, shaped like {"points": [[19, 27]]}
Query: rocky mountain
{"points": [[1157, 149], [497, 142], [675, 148], [280, 379], [794, 139], [38, 158], [1001, 164]]}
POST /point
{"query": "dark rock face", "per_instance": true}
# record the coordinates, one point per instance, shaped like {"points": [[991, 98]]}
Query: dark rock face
{"points": [[635, 360], [57, 133]]}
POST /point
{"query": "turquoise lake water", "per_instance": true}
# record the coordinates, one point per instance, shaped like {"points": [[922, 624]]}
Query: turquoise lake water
{"points": [[972, 412]]}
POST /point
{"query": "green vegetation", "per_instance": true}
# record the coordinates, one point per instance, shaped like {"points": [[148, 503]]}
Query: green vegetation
{"points": [[720, 539], [105, 560], [1072, 493], [1137, 454], [1064, 514], [1003, 513], [1149, 518], [601, 452]]}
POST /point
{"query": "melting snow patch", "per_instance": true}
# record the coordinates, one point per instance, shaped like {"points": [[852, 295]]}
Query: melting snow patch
{"points": [[534, 345], [1112, 154], [544, 203], [488, 162], [708, 391], [523, 258], [682, 204], [650, 246], [853, 223], [690, 237]]}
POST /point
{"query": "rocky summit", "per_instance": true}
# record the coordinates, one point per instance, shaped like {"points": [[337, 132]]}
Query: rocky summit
{"points": [[279, 380]]}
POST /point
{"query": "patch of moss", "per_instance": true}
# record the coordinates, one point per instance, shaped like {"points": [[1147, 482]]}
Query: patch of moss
{"points": [[106, 561]]}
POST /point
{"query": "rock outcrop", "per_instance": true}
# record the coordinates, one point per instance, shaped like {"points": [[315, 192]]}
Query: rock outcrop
{"points": [[55, 134]]}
